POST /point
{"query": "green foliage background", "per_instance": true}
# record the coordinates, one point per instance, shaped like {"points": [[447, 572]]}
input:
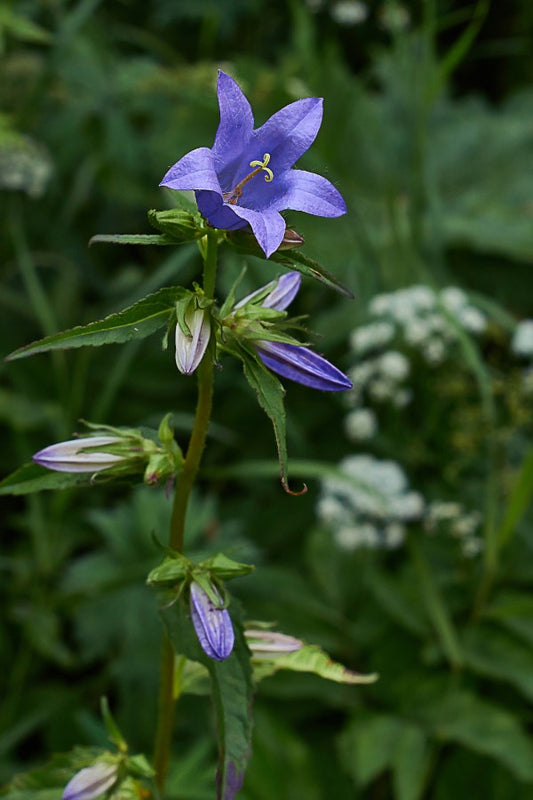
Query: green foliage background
{"points": [[428, 133]]}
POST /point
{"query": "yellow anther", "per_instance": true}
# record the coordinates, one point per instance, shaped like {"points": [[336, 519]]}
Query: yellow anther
{"points": [[263, 165]]}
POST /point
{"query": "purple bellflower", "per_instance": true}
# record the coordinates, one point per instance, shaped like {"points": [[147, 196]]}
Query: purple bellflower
{"points": [[247, 176], [212, 623], [79, 455], [91, 782], [296, 362]]}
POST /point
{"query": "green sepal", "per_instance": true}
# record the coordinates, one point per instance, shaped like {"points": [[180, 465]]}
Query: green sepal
{"points": [[135, 322], [139, 765], [178, 224], [173, 569], [113, 731], [226, 568]]}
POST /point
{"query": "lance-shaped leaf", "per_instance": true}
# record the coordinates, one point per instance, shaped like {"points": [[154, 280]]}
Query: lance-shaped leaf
{"points": [[293, 259], [135, 322], [308, 658], [270, 393], [232, 691], [34, 478]]}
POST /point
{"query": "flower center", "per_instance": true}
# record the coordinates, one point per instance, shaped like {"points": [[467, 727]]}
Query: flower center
{"points": [[233, 196]]}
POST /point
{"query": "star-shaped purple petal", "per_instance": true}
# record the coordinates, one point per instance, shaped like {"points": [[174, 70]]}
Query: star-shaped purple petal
{"points": [[246, 178]]}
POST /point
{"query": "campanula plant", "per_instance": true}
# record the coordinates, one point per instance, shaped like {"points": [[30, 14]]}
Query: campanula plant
{"points": [[241, 184]]}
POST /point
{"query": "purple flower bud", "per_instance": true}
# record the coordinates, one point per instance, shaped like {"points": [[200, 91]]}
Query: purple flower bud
{"points": [[91, 782], [190, 348], [282, 292], [212, 623], [269, 644], [80, 455], [302, 365]]}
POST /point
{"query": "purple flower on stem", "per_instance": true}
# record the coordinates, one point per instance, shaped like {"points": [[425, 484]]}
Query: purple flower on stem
{"points": [[91, 782], [212, 623], [247, 176], [296, 362], [80, 455]]}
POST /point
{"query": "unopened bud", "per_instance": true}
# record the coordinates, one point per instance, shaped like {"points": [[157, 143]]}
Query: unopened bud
{"points": [[290, 240], [191, 344], [212, 623], [91, 782]]}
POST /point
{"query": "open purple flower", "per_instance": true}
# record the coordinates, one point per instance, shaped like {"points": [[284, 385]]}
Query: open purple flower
{"points": [[247, 176], [296, 362], [212, 623]]}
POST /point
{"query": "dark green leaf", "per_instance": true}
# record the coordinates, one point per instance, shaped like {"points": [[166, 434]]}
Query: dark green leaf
{"points": [[270, 393], [498, 655], [484, 727], [296, 260], [136, 322]]}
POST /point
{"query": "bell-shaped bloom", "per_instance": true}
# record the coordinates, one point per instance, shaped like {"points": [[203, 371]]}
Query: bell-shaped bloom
{"points": [[247, 176], [296, 362], [91, 782], [212, 623], [190, 347], [80, 455]]}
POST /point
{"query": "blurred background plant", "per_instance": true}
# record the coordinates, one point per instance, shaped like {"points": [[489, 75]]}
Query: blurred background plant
{"points": [[412, 553]]}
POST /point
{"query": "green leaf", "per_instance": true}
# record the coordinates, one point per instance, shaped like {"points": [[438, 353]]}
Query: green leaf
{"points": [[296, 260], [131, 238], [498, 655], [270, 394], [310, 658], [34, 478], [514, 611], [367, 746], [232, 689], [292, 259], [135, 322], [484, 727], [410, 763], [519, 500]]}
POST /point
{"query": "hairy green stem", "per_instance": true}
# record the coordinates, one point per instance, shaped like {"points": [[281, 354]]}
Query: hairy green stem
{"points": [[184, 485]]}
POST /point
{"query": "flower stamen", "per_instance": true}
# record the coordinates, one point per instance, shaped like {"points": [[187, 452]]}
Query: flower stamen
{"points": [[233, 196]]}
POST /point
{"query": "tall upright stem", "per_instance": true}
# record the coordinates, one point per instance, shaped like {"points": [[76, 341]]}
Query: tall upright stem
{"points": [[184, 485]]}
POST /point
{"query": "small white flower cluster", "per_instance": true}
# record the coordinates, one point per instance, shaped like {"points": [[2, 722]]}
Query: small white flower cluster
{"points": [[522, 341], [370, 505], [426, 319], [452, 518], [418, 318]]}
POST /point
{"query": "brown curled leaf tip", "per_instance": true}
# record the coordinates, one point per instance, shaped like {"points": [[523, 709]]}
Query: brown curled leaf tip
{"points": [[286, 488]]}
